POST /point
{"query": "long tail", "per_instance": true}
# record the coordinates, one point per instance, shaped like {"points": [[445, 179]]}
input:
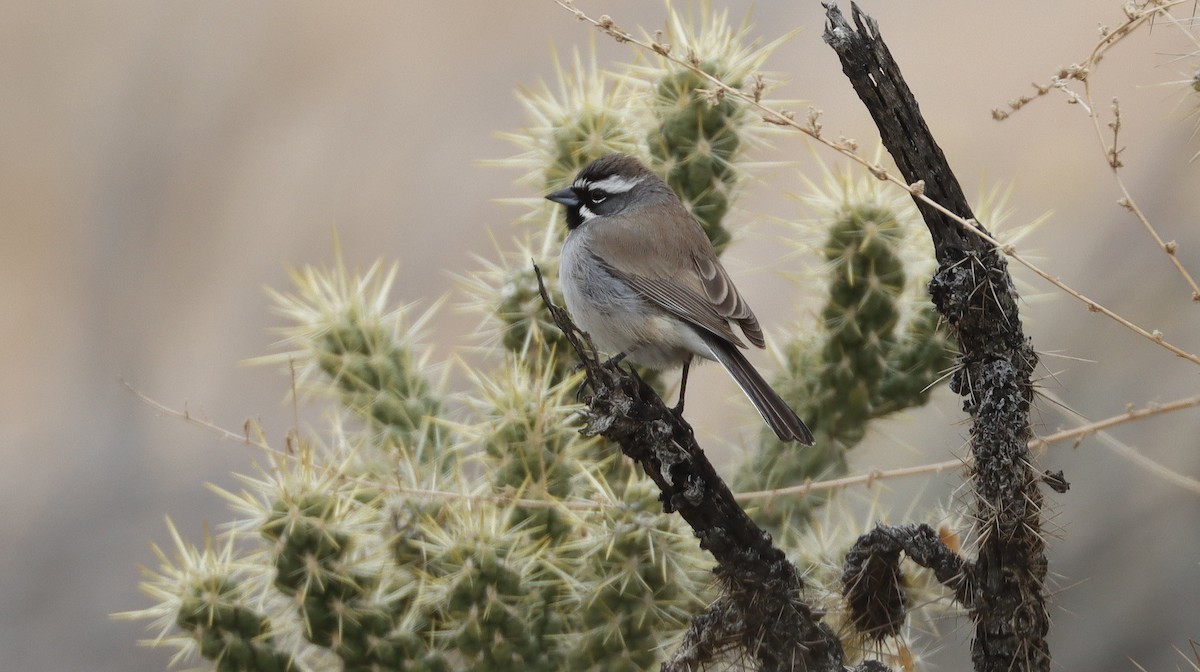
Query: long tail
{"points": [[779, 416]]}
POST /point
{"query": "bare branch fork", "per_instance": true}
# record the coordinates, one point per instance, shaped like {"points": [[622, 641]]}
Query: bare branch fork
{"points": [[761, 611], [972, 289]]}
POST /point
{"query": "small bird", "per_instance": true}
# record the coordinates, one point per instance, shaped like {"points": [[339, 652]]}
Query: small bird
{"points": [[640, 276]]}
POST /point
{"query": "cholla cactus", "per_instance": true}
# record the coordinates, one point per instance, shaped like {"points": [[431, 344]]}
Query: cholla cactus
{"points": [[482, 593], [879, 349], [349, 602], [632, 555], [205, 609], [341, 330], [495, 536], [697, 135], [528, 450], [427, 565], [584, 118]]}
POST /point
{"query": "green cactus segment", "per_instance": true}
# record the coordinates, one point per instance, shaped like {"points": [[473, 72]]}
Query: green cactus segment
{"points": [[523, 311], [916, 364], [860, 318], [694, 145], [528, 449], [537, 466], [409, 540], [589, 134], [310, 552], [378, 381], [488, 613], [232, 635], [861, 370], [637, 583], [339, 605], [347, 343], [527, 329]]}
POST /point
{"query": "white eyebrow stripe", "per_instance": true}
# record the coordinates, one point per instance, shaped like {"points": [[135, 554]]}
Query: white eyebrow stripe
{"points": [[617, 184]]}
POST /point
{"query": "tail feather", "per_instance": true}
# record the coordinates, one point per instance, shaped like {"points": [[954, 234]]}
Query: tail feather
{"points": [[779, 416]]}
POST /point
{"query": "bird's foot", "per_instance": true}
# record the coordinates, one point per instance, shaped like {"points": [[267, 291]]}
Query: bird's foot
{"points": [[614, 360]]}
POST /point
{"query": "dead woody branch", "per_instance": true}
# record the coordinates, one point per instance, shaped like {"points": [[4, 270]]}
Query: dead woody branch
{"points": [[1003, 587]]}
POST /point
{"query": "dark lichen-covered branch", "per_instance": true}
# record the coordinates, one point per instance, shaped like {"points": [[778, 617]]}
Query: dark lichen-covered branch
{"points": [[974, 292], [873, 585]]}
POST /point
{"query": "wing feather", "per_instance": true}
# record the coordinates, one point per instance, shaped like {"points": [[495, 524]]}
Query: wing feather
{"points": [[726, 300], [707, 298], [683, 302]]}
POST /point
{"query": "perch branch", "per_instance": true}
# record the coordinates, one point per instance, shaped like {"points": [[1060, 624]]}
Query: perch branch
{"points": [[761, 610]]}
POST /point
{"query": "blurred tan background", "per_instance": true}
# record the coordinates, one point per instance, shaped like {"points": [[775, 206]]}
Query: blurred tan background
{"points": [[162, 162]]}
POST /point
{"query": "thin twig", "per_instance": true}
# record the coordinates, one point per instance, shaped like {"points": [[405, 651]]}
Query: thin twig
{"points": [[1113, 421], [186, 416], [1127, 201], [1040, 443], [1136, 17], [868, 479]]}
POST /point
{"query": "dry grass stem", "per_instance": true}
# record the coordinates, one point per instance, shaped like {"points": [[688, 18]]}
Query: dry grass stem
{"points": [[868, 479], [1137, 15]]}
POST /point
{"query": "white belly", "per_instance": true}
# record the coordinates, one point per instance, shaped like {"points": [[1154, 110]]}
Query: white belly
{"points": [[618, 319]]}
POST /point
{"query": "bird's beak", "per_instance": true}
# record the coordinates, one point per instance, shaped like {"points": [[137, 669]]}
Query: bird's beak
{"points": [[567, 197]]}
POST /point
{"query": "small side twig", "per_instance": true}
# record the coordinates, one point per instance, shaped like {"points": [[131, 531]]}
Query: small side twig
{"points": [[250, 427], [872, 582], [761, 611]]}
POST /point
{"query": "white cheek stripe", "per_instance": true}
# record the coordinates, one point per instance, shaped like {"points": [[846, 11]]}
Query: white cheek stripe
{"points": [[617, 184], [586, 214]]}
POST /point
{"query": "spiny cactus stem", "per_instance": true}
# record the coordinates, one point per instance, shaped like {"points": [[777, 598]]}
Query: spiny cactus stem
{"points": [[761, 606]]}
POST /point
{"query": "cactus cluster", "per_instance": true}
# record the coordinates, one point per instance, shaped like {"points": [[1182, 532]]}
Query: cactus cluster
{"points": [[876, 351], [343, 600], [486, 533], [343, 335], [233, 635], [395, 547], [695, 143], [624, 559], [204, 605]]}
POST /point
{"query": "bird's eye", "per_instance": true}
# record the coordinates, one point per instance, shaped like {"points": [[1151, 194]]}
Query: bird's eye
{"points": [[597, 195]]}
